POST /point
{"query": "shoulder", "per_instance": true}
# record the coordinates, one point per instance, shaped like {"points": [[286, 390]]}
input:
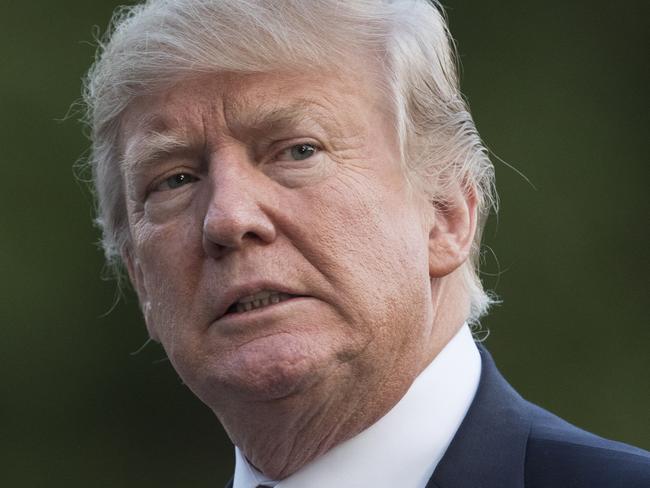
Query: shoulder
{"points": [[507, 442], [559, 454]]}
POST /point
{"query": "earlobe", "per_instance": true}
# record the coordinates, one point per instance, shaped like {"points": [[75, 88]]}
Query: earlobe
{"points": [[451, 233]]}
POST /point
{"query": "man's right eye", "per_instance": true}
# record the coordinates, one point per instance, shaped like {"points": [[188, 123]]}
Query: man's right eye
{"points": [[175, 181]]}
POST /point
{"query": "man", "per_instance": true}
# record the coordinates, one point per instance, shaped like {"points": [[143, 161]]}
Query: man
{"points": [[297, 191]]}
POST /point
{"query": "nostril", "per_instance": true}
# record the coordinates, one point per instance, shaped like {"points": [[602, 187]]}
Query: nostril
{"points": [[250, 236], [220, 237]]}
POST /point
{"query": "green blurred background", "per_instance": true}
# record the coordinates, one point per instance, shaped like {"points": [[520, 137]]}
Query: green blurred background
{"points": [[558, 90]]}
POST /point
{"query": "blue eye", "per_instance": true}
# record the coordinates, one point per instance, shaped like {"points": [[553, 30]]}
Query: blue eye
{"points": [[176, 181], [297, 152], [302, 151]]}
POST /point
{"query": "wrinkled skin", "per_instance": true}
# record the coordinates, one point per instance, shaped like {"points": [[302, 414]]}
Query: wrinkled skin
{"points": [[234, 206]]}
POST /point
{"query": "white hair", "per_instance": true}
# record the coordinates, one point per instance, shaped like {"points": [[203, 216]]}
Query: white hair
{"points": [[152, 45]]}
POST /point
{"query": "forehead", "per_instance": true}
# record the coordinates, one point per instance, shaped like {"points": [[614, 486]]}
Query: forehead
{"points": [[260, 102]]}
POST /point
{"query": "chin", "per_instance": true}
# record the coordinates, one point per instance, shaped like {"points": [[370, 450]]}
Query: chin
{"points": [[266, 369]]}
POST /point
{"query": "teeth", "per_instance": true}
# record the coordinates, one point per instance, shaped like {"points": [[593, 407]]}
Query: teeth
{"points": [[261, 299], [257, 296]]}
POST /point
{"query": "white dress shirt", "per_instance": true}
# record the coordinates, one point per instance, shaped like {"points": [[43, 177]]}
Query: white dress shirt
{"points": [[403, 447]]}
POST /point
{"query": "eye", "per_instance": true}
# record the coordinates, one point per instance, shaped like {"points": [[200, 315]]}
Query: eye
{"points": [[175, 181], [298, 152]]}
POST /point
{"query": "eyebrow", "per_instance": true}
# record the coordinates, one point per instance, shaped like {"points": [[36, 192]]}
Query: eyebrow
{"points": [[154, 146], [265, 120], [270, 120]]}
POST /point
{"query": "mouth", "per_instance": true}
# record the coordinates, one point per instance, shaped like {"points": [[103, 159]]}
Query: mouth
{"points": [[262, 299]]}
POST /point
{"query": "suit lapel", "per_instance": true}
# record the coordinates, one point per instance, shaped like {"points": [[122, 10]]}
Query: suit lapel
{"points": [[489, 448]]}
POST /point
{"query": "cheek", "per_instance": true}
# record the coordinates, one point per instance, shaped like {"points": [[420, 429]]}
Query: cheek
{"points": [[170, 260], [371, 248]]}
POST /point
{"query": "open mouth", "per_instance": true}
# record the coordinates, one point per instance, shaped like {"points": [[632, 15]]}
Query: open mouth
{"points": [[259, 300]]}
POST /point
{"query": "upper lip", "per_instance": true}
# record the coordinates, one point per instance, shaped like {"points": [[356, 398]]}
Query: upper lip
{"points": [[233, 293]]}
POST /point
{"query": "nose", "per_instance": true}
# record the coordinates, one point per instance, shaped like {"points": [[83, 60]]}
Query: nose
{"points": [[236, 214]]}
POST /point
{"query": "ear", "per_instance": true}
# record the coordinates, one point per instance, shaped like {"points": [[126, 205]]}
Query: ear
{"points": [[452, 232], [137, 280]]}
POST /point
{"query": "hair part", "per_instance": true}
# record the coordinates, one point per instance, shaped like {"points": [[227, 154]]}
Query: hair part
{"points": [[151, 46]]}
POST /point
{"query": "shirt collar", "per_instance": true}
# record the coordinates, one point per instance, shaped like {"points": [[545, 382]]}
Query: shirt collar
{"points": [[403, 447]]}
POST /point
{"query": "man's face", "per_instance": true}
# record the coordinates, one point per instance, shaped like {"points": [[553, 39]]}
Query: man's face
{"points": [[275, 247]]}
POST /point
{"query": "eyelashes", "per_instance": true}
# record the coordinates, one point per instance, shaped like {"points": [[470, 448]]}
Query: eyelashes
{"points": [[175, 181], [297, 152]]}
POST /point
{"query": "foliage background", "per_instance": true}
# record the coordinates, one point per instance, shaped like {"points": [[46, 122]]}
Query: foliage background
{"points": [[558, 90]]}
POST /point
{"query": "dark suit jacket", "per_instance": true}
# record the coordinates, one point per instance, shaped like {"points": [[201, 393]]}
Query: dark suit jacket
{"points": [[506, 442]]}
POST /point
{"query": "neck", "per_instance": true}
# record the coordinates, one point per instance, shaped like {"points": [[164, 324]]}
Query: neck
{"points": [[281, 436]]}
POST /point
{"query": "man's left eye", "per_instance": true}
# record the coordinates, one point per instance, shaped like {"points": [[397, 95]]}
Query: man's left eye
{"points": [[298, 152]]}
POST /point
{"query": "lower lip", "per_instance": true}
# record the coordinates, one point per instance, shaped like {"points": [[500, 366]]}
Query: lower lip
{"points": [[267, 312]]}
